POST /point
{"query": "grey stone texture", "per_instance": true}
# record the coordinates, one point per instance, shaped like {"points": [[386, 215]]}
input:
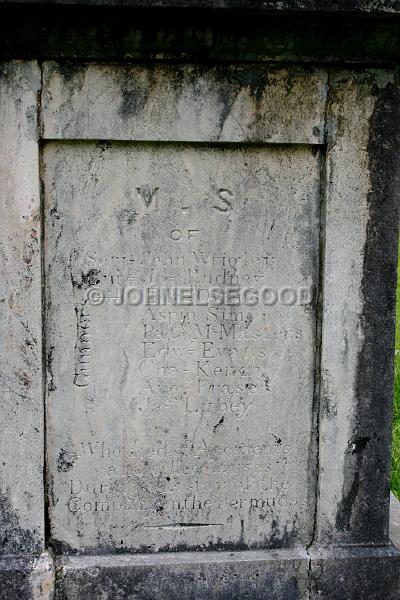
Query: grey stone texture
{"points": [[155, 448], [21, 423], [356, 573], [186, 426], [356, 385], [256, 574], [198, 103]]}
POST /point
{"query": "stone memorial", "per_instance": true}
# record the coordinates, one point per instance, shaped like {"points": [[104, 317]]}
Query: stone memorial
{"points": [[199, 204]]}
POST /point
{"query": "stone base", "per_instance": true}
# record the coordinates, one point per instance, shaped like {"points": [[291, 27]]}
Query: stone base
{"points": [[355, 573], [359, 573], [337, 574], [254, 575], [334, 574], [27, 578]]}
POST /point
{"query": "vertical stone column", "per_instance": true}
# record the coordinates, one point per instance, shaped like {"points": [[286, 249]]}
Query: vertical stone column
{"points": [[21, 397], [362, 183]]}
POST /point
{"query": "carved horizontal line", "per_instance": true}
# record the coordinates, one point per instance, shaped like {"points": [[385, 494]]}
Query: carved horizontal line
{"points": [[182, 525], [180, 142]]}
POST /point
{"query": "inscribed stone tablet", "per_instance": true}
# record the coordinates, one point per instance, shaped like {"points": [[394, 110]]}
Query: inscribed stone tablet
{"points": [[180, 334]]}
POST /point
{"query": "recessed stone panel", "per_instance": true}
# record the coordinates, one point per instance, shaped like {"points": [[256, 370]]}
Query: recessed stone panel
{"points": [[180, 337]]}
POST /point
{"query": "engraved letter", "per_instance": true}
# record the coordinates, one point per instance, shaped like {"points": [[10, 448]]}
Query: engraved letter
{"points": [[225, 196], [147, 194]]}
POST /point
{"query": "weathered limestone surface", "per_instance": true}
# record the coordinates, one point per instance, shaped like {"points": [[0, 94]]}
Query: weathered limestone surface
{"points": [[21, 401], [235, 103], [180, 426], [358, 308]]}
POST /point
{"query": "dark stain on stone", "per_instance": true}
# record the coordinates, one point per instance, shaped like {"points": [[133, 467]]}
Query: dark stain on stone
{"points": [[359, 445], [65, 461], [50, 375], [60, 548], [15, 580], [103, 145], [133, 101], [135, 93], [82, 281], [13, 538], [224, 580], [126, 217], [345, 507], [280, 536], [25, 379], [254, 79], [220, 422], [72, 72], [90, 278], [248, 320], [366, 478], [328, 408], [241, 540], [227, 97], [226, 90], [54, 213]]}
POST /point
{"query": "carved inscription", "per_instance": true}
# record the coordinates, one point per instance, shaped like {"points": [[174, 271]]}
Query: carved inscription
{"points": [[181, 321], [82, 359]]}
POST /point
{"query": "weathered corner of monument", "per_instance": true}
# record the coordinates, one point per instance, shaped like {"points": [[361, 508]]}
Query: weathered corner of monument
{"points": [[42, 578]]}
